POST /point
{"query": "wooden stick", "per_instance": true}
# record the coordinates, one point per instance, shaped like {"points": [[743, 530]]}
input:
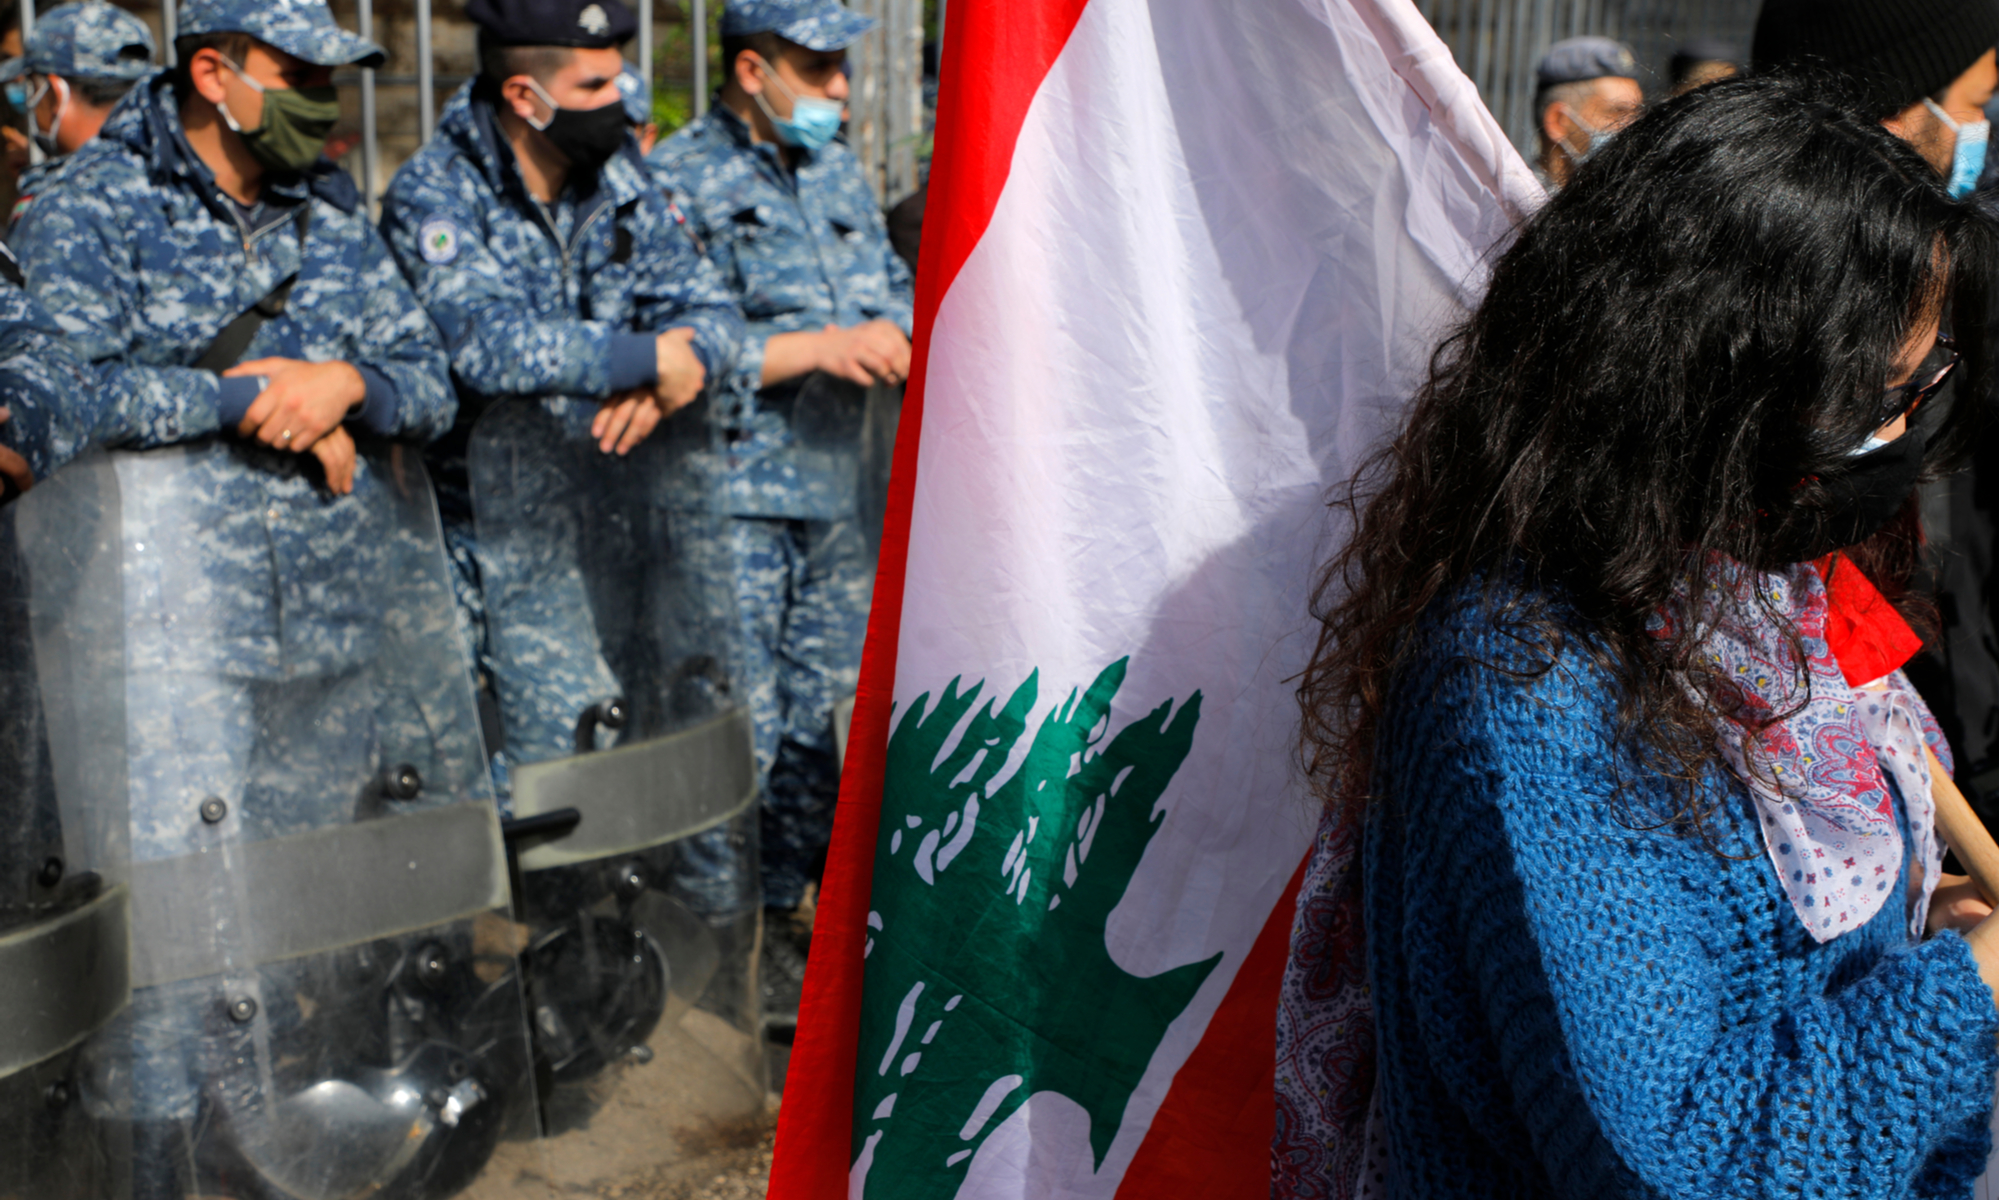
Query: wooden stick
{"points": [[1963, 833]]}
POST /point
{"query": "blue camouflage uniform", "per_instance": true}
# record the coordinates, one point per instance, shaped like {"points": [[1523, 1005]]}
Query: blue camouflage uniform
{"points": [[561, 303], [46, 386], [257, 605], [802, 246]]}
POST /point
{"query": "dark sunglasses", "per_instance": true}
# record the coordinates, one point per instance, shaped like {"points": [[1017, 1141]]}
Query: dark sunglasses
{"points": [[1903, 399]]}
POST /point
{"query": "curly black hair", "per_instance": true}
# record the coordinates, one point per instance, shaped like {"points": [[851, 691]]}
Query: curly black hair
{"points": [[1672, 363]]}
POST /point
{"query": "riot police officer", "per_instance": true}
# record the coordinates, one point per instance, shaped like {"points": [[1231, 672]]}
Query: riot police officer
{"points": [[79, 62], [555, 270], [263, 366], [785, 211]]}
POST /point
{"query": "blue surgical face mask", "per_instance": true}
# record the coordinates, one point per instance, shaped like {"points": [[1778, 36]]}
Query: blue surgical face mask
{"points": [[813, 122], [1968, 154], [17, 95]]}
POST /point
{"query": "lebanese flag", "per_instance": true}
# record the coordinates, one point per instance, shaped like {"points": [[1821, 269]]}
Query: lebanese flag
{"points": [[1182, 263]]}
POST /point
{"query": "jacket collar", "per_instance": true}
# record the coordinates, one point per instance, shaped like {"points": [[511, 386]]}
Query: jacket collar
{"points": [[148, 122]]}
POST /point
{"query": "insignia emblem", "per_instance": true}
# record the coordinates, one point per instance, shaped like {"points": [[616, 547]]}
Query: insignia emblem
{"points": [[593, 21], [439, 239]]}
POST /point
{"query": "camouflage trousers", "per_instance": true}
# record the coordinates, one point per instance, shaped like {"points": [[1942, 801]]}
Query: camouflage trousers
{"points": [[802, 593]]}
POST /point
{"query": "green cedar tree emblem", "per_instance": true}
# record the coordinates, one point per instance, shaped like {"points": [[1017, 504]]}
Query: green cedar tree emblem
{"points": [[988, 978]]}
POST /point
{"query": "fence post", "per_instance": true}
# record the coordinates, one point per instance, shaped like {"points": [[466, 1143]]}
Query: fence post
{"points": [[698, 16], [371, 163], [646, 43], [426, 87]]}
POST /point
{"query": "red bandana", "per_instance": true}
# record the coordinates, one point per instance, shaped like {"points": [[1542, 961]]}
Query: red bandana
{"points": [[1868, 637]]}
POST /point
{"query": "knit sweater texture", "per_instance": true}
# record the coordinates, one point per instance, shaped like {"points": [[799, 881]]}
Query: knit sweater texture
{"points": [[1570, 1004]]}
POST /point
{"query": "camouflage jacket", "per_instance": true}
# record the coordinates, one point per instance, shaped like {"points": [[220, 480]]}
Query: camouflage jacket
{"points": [[51, 394], [138, 254], [142, 260], [548, 300], [802, 248]]}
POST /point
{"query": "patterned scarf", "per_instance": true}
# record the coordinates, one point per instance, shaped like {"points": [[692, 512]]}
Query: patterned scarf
{"points": [[1820, 775]]}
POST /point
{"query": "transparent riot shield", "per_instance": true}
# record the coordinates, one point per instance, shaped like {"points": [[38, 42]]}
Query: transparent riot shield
{"points": [[846, 436], [610, 615], [325, 999], [64, 907]]}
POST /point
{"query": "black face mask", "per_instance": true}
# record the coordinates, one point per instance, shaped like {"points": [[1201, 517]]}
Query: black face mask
{"points": [[1862, 500], [587, 137]]}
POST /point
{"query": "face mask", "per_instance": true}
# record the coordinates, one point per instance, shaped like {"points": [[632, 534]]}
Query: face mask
{"points": [[813, 122], [1968, 154], [587, 137], [17, 95], [1598, 137], [295, 126], [1867, 494], [47, 141]]}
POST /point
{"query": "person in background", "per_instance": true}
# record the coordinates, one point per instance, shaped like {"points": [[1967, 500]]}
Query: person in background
{"points": [[1703, 60], [80, 62], [1586, 89], [1927, 67], [784, 209], [637, 96], [13, 140], [1927, 70]]}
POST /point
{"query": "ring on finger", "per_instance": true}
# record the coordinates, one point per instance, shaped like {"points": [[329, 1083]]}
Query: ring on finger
{"points": [[286, 436]]}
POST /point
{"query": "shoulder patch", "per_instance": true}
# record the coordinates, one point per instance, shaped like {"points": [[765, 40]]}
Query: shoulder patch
{"points": [[439, 239]]}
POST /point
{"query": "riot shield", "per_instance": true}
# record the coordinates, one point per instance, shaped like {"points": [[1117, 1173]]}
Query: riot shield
{"points": [[325, 999], [610, 615], [846, 435], [64, 907]]}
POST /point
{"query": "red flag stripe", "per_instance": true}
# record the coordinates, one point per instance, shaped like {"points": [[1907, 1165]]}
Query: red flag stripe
{"points": [[1212, 1134], [995, 58]]}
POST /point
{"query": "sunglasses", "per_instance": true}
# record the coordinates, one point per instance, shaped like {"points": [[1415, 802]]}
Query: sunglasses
{"points": [[1903, 399]]}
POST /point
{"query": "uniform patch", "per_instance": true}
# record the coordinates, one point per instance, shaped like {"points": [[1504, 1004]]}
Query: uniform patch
{"points": [[594, 21], [439, 239]]}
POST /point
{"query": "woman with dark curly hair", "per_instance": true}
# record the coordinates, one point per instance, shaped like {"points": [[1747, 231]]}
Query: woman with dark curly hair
{"points": [[1607, 686]]}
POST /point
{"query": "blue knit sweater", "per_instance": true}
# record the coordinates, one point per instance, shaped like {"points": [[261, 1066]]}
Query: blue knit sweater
{"points": [[1570, 1006]]}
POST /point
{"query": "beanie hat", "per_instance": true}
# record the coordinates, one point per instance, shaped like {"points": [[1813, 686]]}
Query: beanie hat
{"points": [[1899, 50]]}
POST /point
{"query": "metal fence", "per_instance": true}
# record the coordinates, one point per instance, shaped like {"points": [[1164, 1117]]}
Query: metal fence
{"points": [[1497, 42]]}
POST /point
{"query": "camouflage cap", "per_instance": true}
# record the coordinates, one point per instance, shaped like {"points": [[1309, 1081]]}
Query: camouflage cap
{"points": [[635, 95], [91, 40], [303, 29], [814, 24]]}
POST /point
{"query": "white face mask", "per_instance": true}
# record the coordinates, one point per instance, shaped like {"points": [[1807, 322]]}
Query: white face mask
{"points": [[47, 141], [1968, 156], [1597, 137]]}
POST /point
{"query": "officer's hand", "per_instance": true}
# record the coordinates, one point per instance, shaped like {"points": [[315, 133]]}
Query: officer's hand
{"points": [[335, 452], [681, 373], [871, 352], [303, 401], [15, 477], [626, 419]]}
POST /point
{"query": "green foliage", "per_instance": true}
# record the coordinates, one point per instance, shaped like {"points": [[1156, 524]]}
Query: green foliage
{"points": [[988, 961]]}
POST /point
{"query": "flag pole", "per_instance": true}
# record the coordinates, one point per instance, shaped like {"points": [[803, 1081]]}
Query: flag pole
{"points": [[1961, 829]]}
